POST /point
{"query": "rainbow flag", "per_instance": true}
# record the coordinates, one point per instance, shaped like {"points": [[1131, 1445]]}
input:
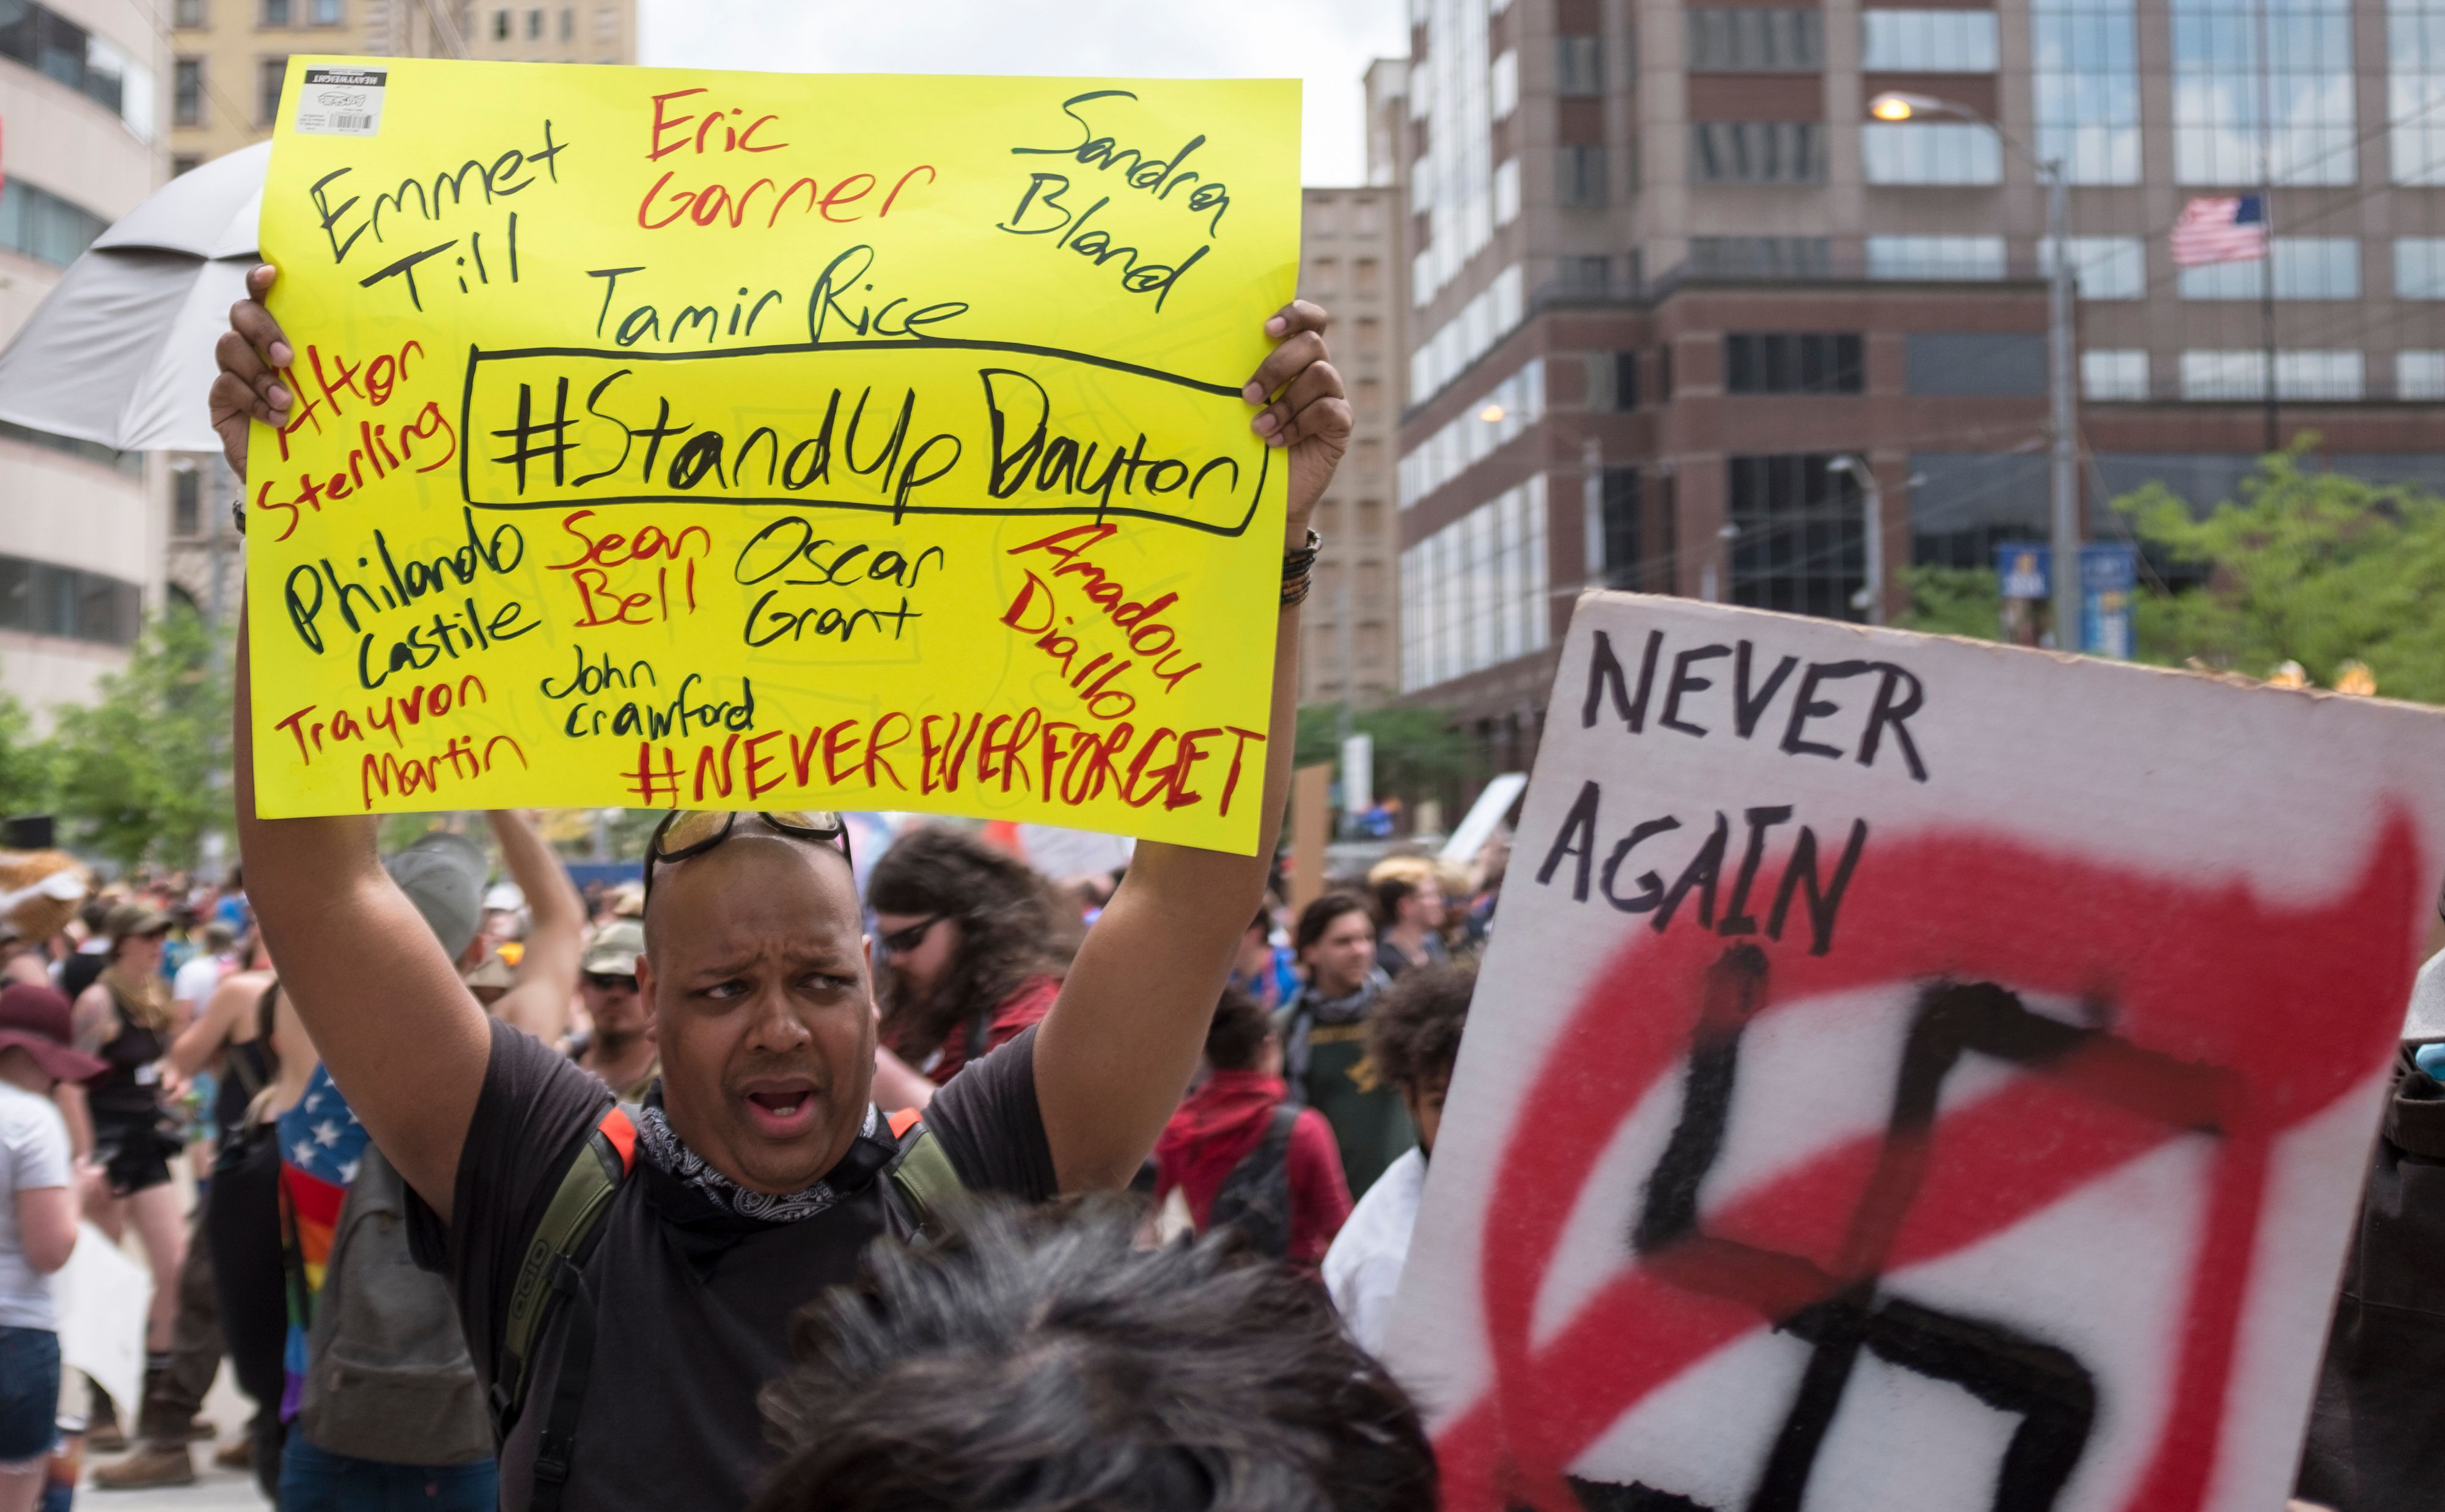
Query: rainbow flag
{"points": [[321, 1144]]}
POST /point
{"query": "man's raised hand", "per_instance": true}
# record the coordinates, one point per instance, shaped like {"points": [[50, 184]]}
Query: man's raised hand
{"points": [[1309, 414], [253, 352]]}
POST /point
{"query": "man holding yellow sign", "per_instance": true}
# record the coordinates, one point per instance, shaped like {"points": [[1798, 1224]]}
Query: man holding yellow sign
{"points": [[542, 511]]}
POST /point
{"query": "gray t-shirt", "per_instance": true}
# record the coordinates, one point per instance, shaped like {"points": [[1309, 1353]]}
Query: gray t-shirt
{"points": [[34, 1154], [682, 1343]]}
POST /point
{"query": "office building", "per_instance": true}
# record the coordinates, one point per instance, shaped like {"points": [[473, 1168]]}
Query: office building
{"points": [[230, 55], [229, 60], [1667, 271], [1351, 245], [81, 527]]}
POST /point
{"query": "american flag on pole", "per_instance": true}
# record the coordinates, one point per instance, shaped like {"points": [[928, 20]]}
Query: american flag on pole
{"points": [[2221, 230]]}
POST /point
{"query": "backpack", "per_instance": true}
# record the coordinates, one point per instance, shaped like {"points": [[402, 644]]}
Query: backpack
{"points": [[551, 1277], [1255, 1197], [387, 1374]]}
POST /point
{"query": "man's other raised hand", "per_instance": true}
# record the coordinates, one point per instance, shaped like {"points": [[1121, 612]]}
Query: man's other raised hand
{"points": [[253, 353]]}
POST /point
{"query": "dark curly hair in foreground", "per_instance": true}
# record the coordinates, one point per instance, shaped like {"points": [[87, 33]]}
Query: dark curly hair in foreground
{"points": [[1035, 1360], [1413, 1036]]}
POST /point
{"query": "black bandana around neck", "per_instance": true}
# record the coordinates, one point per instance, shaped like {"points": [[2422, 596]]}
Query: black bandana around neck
{"points": [[715, 1211]]}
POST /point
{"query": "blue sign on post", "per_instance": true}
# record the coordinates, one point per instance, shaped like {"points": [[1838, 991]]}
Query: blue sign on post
{"points": [[2109, 576], [2022, 569]]}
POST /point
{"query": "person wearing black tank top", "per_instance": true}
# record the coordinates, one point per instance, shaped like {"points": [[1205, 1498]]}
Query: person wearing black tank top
{"points": [[117, 1125]]}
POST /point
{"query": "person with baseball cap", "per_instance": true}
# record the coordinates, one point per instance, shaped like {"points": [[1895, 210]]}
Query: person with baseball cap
{"points": [[121, 1125], [38, 1227], [618, 1045]]}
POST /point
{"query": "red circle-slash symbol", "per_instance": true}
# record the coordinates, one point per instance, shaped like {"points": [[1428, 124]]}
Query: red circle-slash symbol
{"points": [[2290, 1008]]}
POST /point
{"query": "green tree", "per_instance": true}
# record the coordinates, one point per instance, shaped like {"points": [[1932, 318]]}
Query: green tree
{"points": [[136, 770], [25, 762], [1953, 601], [1418, 754], [2310, 567]]}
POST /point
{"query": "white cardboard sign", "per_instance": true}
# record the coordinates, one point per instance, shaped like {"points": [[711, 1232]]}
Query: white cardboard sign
{"points": [[1911, 1074]]}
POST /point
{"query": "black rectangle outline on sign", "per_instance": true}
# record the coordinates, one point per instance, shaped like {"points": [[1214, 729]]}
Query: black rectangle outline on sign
{"points": [[477, 355]]}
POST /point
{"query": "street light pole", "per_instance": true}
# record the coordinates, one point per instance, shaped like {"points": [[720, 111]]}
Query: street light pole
{"points": [[2059, 373], [1871, 594], [1895, 106]]}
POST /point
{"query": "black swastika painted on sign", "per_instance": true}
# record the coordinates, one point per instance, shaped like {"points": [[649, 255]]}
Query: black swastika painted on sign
{"points": [[1845, 1311]]}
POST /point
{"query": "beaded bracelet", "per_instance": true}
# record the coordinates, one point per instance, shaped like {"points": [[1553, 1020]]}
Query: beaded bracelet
{"points": [[1299, 571]]}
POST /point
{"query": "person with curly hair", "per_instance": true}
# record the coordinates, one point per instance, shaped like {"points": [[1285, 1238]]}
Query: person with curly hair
{"points": [[1037, 1358], [1413, 1039], [971, 947]]}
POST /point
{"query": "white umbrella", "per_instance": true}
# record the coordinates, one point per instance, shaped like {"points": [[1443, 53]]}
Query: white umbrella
{"points": [[121, 351]]}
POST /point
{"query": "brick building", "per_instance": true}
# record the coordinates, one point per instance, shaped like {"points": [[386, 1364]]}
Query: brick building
{"points": [[1665, 270]]}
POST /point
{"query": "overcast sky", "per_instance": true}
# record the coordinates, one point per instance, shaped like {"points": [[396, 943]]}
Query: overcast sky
{"points": [[1326, 43]]}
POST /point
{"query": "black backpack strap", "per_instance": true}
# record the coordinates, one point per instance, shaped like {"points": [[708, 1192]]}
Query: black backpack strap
{"points": [[551, 1278], [1274, 1149]]}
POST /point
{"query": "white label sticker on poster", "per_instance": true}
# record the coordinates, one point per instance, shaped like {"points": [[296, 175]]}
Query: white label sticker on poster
{"points": [[1911, 1074]]}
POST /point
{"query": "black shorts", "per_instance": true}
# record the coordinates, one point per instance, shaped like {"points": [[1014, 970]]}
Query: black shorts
{"points": [[133, 1155]]}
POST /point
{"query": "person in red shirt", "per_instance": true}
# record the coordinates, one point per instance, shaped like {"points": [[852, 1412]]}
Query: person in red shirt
{"points": [[971, 947], [1227, 1122]]}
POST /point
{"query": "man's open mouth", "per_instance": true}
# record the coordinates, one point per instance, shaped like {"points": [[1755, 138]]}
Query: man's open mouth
{"points": [[781, 1112]]}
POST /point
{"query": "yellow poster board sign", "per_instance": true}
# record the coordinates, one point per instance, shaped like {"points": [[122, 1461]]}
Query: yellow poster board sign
{"points": [[726, 440]]}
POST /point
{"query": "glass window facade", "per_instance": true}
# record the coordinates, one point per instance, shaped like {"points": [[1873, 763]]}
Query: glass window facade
{"points": [[43, 226], [2420, 268], [1752, 39], [1516, 404], [1974, 258], [2086, 66], [2420, 375], [1757, 152], [1579, 65], [1452, 184], [2219, 137], [1965, 504], [1927, 40], [2415, 88], [2299, 375], [2112, 373], [1580, 176], [1762, 256], [53, 45], [270, 73], [2105, 267], [187, 92], [1466, 336], [42, 599], [1473, 594], [1974, 365], [1799, 535], [1810, 362], [2306, 268], [1945, 153]]}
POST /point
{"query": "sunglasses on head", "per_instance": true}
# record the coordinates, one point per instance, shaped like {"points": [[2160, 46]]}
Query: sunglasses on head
{"points": [[612, 981], [901, 941], [687, 833]]}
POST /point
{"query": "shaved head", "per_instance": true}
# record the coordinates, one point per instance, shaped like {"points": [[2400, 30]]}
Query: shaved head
{"points": [[756, 974]]}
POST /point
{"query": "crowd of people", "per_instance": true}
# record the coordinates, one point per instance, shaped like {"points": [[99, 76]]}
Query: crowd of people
{"points": [[159, 1082], [780, 1177]]}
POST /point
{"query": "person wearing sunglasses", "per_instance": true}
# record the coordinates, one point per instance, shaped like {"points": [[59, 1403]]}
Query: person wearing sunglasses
{"points": [[752, 1179], [619, 1042], [971, 945]]}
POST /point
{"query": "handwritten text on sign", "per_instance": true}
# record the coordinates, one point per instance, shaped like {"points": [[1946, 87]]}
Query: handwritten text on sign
{"points": [[755, 439]]}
